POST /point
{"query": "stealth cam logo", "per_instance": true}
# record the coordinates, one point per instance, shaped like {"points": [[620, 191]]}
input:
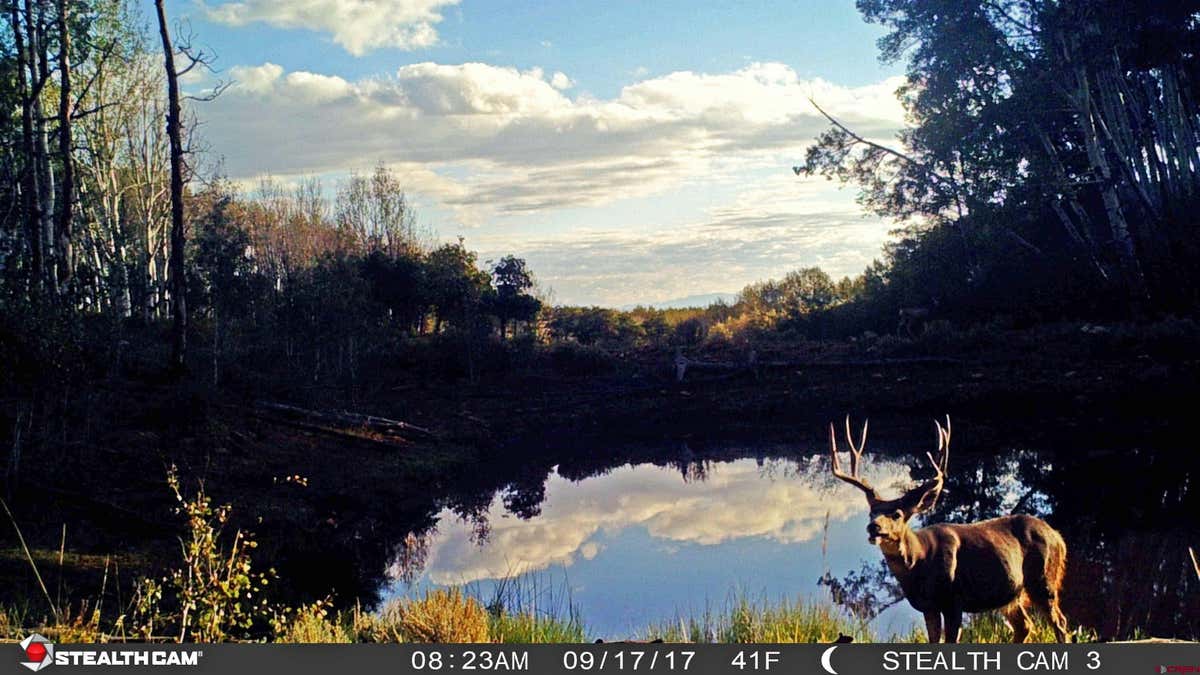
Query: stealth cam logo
{"points": [[39, 651]]}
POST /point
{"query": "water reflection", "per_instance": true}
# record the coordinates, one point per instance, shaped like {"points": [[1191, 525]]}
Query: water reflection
{"points": [[651, 531], [712, 504]]}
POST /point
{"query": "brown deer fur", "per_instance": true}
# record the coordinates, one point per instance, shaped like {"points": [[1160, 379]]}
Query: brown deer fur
{"points": [[1012, 563]]}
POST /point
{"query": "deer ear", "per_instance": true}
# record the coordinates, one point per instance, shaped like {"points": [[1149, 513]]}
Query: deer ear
{"points": [[922, 498]]}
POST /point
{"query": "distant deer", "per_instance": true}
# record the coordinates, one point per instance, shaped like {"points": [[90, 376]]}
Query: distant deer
{"points": [[1008, 563]]}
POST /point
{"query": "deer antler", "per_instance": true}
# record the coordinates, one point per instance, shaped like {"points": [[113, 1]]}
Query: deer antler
{"points": [[941, 463], [855, 459], [943, 459]]}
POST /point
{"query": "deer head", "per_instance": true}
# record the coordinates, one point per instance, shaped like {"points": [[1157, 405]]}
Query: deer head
{"points": [[889, 517]]}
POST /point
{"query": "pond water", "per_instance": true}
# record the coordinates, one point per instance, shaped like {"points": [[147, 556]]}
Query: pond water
{"points": [[653, 534], [649, 543]]}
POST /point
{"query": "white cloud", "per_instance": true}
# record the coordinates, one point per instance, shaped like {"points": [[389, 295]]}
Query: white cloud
{"points": [[473, 89], [316, 88], [764, 232], [735, 501], [560, 81], [256, 79], [358, 26], [528, 146], [493, 144]]}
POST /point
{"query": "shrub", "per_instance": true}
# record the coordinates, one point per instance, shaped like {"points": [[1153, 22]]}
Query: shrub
{"points": [[445, 616], [215, 591], [690, 332], [573, 358], [740, 329], [312, 625]]}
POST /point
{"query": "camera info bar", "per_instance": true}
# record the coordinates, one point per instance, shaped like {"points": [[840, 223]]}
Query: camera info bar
{"points": [[699, 659]]}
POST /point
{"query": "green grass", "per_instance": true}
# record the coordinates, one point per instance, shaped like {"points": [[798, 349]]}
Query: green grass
{"points": [[529, 628], [746, 620], [741, 620], [992, 628]]}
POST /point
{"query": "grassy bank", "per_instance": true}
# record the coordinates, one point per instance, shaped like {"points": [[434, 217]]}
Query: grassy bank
{"points": [[454, 616]]}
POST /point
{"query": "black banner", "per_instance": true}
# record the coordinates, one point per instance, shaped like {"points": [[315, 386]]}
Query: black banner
{"points": [[704, 659]]}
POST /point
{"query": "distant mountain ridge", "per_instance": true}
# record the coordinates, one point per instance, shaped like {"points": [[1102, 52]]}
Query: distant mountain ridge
{"points": [[701, 300]]}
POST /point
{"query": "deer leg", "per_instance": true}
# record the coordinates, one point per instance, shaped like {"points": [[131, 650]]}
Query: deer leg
{"points": [[1061, 629], [1044, 593], [1058, 620], [933, 626], [953, 625], [1019, 619]]}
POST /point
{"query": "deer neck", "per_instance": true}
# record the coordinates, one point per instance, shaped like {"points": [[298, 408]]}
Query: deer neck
{"points": [[902, 554]]}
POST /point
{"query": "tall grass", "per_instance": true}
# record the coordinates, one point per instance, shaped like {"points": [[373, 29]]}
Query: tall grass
{"points": [[526, 628], [532, 608], [993, 628], [454, 616], [442, 615], [748, 620]]}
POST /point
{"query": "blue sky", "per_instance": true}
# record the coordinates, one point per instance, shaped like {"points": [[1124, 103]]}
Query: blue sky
{"points": [[631, 151]]}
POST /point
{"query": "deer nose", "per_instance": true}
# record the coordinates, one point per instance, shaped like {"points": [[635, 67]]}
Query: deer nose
{"points": [[873, 528]]}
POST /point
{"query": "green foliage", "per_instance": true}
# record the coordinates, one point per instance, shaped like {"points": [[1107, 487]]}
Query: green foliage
{"points": [[313, 624], [800, 292], [585, 325], [992, 627], [573, 358], [532, 628], [215, 593], [511, 301], [222, 273], [458, 286]]}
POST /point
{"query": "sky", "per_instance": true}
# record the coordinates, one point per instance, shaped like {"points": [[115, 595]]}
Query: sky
{"points": [[631, 152]]}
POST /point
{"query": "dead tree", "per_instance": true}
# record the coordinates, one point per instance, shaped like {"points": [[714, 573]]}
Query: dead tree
{"points": [[66, 207], [30, 185], [176, 272]]}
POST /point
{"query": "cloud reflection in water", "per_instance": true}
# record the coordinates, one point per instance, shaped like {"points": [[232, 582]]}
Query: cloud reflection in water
{"points": [[737, 500]]}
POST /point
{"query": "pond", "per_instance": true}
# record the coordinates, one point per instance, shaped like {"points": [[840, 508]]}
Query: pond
{"points": [[648, 542], [654, 534]]}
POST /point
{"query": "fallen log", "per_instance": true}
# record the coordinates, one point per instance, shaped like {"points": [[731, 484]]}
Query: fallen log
{"points": [[345, 418], [683, 364]]}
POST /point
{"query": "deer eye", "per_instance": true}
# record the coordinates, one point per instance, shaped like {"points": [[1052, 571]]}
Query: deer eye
{"points": [[896, 515]]}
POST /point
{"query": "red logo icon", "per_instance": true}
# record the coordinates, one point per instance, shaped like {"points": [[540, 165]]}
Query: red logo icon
{"points": [[39, 652]]}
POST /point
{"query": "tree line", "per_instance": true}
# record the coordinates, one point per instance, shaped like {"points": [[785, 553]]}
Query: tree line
{"points": [[1051, 168], [110, 217], [327, 284]]}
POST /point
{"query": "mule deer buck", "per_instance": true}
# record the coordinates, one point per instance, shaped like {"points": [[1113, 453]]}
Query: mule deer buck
{"points": [[1010, 563]]}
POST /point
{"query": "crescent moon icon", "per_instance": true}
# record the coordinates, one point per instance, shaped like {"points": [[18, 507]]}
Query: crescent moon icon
{"points": [[825, 657]]}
